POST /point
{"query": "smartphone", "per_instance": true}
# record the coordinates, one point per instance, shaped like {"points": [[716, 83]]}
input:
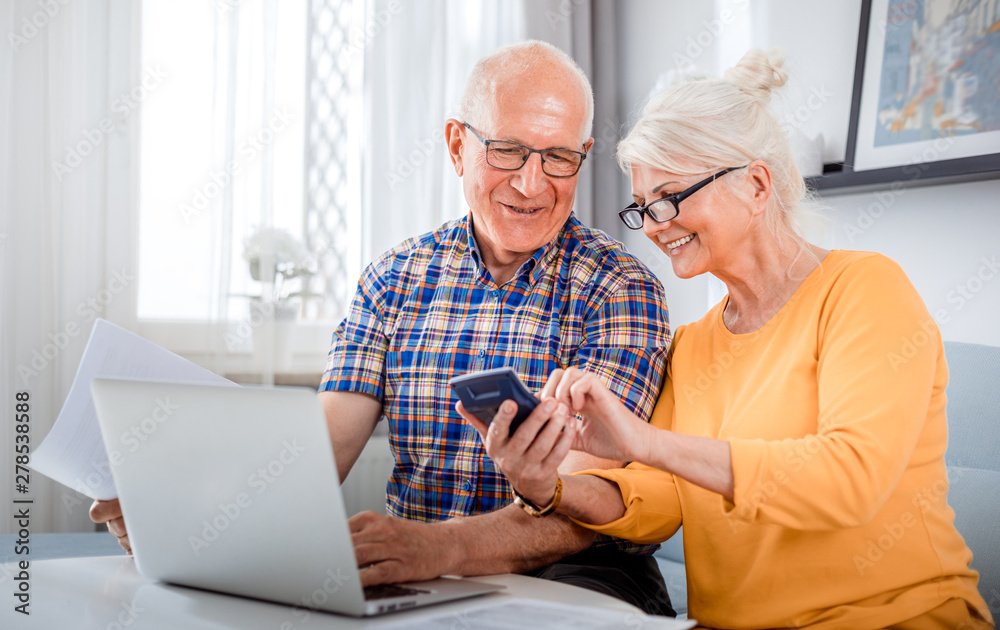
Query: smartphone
{"points": [[482, 393]]}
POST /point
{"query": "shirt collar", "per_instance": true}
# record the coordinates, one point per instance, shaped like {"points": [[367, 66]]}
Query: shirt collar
{"points": [[535, 266]]}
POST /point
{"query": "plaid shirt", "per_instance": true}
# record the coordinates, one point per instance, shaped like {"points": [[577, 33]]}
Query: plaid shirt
{"points": [[429, 310]]}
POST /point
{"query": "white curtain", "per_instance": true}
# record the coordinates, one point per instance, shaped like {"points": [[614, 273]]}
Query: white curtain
{"points": [[215, 138], [69, 124], [68, 115], [243, 103], [416, 65]]}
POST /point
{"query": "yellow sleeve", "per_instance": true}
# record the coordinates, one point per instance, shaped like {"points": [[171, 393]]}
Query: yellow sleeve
{"points": [[652, 509], [878, 351], [652, 505]]}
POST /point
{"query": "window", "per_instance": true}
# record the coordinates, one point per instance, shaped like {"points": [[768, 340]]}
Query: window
{"points": [[250, 128]]}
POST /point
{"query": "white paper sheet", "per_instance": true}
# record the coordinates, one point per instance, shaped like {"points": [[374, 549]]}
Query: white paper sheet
{"points": [[517, 614], [73, 452]]}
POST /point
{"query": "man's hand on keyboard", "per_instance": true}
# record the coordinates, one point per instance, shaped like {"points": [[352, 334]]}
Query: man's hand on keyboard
{"points": [[391, 550]]}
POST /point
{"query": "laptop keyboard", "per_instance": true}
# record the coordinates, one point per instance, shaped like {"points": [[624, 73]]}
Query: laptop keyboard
{"points": [[385, 591]]}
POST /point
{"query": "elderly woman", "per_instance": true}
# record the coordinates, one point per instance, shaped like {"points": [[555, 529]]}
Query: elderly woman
{"points": [[801, 431]]}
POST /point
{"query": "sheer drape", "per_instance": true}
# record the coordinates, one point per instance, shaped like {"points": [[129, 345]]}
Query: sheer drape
{"points": [[222, 165], [415, 71], [68, 114], [69, 175], [243, 106]]}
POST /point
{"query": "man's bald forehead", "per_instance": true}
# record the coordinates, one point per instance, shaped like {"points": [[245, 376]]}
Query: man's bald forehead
{"points": [[520, 67]]}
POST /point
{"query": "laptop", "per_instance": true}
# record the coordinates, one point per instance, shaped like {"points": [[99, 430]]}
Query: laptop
{"points": [[235, 490]]}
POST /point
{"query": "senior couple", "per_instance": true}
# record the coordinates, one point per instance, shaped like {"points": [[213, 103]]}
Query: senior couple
{"points": [[801, 446]]}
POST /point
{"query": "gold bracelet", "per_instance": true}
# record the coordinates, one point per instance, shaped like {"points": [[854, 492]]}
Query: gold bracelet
{"points": [[533, 509]]}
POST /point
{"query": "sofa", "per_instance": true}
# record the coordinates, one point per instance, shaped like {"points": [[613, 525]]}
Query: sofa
{"points": [[973, 461]]}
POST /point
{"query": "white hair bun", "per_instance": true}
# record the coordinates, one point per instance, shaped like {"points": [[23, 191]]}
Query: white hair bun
{"points": [[758, 73]]}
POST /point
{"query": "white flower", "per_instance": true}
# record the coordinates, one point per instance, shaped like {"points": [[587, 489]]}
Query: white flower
{"points": [[276, 244], [274, 256]]}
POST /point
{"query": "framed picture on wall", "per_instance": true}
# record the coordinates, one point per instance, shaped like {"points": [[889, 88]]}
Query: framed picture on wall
{"points": [[926, 104]]}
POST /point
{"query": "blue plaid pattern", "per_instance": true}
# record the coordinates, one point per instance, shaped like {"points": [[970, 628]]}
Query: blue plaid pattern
{"points": [[428, 310]]}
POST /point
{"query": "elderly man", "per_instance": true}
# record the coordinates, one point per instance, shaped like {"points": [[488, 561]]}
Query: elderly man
{"points": [[519, 282]]}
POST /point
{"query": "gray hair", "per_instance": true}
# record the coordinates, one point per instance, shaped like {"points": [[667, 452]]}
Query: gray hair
{"points": [[703, 124], [519, 59]]}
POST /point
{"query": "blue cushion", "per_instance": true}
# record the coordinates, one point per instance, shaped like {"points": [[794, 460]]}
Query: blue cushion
{"points": [[670, 557], [973, 405], [676, 580], [973, 457], [975, 497], [673, 547]]}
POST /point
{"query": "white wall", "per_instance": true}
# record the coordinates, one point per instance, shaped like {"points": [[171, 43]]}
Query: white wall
{"points": [[947, 238], [942, 235]]}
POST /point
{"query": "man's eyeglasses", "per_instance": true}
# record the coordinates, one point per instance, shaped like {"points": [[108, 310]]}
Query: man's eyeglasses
{"points": [[667, 208], [510, 156]]}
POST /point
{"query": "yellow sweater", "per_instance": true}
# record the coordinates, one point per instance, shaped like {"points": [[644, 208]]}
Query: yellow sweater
{"points": [[835, 415]]}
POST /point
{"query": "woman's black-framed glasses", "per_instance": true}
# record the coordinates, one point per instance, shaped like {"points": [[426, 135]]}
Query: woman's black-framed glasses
{"points": [[510, 156], [667, 208]]}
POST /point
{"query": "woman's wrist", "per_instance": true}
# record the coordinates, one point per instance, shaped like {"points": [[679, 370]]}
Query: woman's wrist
{"points": [[643, 446]]}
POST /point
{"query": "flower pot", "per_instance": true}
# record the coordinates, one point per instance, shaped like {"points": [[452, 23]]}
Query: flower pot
{"points": [[272, 338]]}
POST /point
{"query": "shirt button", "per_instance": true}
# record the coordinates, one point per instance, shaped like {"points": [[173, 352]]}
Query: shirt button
{"points": [[467, 486], [482, 353], [496, 294]]}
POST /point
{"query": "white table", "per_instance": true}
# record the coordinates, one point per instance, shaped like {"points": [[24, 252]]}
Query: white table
{"points": [[109, 593]]}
